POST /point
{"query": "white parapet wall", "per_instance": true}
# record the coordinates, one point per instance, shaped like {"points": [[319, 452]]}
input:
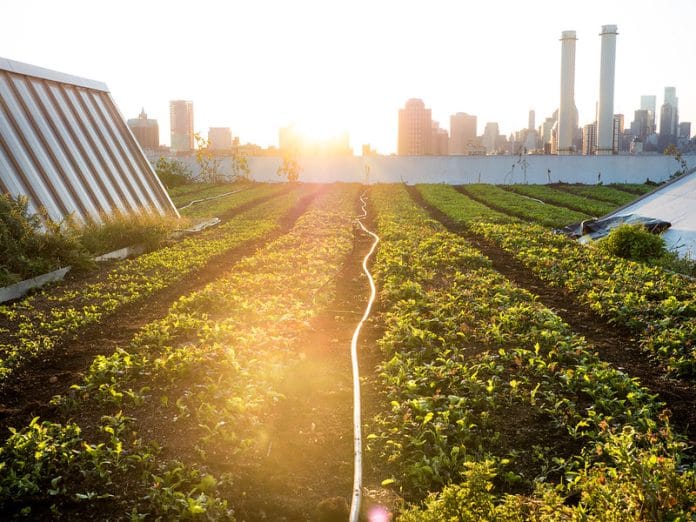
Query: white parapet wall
{"points": [[532, 169]]}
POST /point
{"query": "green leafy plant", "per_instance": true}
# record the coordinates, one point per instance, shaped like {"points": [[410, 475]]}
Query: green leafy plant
{"points": [[172, 173], [33, 244], [633, 242]]}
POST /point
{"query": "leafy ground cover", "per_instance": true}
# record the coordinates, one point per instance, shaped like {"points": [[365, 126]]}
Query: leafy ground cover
{"points": [[634, 188], [598, 192], [34, 325], [494, 398], [655, 305], [243, 194], [520, 206], [202, 383], [563, 199], [658, 306], [184, 194]]}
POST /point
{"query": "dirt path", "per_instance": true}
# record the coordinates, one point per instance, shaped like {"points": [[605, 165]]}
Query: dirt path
{"points": [[307, 473], [28, 393], [614, 344]]}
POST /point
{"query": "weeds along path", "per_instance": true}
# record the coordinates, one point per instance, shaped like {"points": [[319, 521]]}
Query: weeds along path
{"points": [[614, 344], [26, 392], [244, 386]]}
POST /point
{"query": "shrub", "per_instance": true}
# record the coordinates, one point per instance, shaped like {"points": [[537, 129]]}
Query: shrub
{"points": [[634, 242], [172, 173], [33, 244]]}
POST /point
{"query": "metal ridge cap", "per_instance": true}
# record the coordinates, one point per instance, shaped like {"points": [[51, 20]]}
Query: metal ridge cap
{"points": [[26, 69]]}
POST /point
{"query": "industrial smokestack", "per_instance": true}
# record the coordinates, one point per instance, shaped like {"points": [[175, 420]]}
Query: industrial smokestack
{"points": [[567, 112], [605, 109]]}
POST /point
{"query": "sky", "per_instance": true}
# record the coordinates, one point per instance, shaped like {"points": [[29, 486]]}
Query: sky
{"points": [[330, 66]]}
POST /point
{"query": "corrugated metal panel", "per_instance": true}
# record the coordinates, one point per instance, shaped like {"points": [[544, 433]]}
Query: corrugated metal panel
{"points": [[64, 144]]}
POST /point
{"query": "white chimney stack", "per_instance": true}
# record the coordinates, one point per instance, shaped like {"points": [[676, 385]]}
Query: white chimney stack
{"points": [[605, 109], [567, 111]]}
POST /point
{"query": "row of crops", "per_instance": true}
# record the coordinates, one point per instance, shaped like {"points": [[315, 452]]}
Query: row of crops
{"points": [[491, 396], [658, 306], [36, 324], [207, 372], [489, 406]]}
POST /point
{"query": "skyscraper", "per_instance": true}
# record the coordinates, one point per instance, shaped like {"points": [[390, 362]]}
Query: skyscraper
{"points": [[220, 138], [439, 141], [490, 137], [462, 133], [146, 131], [567, 111], [531, 121], [589, 139], [669, 118], [641, 123], [649, 103], [415, 129], [181, 119]]}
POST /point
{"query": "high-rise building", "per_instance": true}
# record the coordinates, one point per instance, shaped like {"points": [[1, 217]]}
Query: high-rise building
{"points": [[545, 132], [685, 130], [146, 131], [684, 135], [617, 131], [219, 138], [589, 139], [641, 123], [439, 141], [415, 129], [462, 134], [648, 102], [490, 137], [181, 119], [532, 119], [669, 118], [605, 107], [567, 112]]}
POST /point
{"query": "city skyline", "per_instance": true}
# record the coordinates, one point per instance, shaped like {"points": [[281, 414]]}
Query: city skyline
{"points": [[332, 67]]}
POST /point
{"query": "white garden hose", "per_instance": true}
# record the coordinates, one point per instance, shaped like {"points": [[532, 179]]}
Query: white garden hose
{"points": [[196, 201], [357, 432]]}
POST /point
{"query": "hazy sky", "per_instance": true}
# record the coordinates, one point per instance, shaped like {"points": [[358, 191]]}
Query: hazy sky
{"points": [[331, 65]]}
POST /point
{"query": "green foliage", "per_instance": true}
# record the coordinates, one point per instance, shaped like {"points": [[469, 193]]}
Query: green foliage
{"points": [[488, 393], [633, 242], [36, 331], [208, 162], [466, 209], [212, 365], [118, 231], [672, 150], [172, 173], [240, 165], [33, 244], [522, 207], [598, 193], [658, 306], [560, 198], [290, 168]]}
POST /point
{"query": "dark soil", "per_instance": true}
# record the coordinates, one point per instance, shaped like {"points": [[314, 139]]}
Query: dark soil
{"points": [[307, 472], [614, 344], [31, 388]]}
